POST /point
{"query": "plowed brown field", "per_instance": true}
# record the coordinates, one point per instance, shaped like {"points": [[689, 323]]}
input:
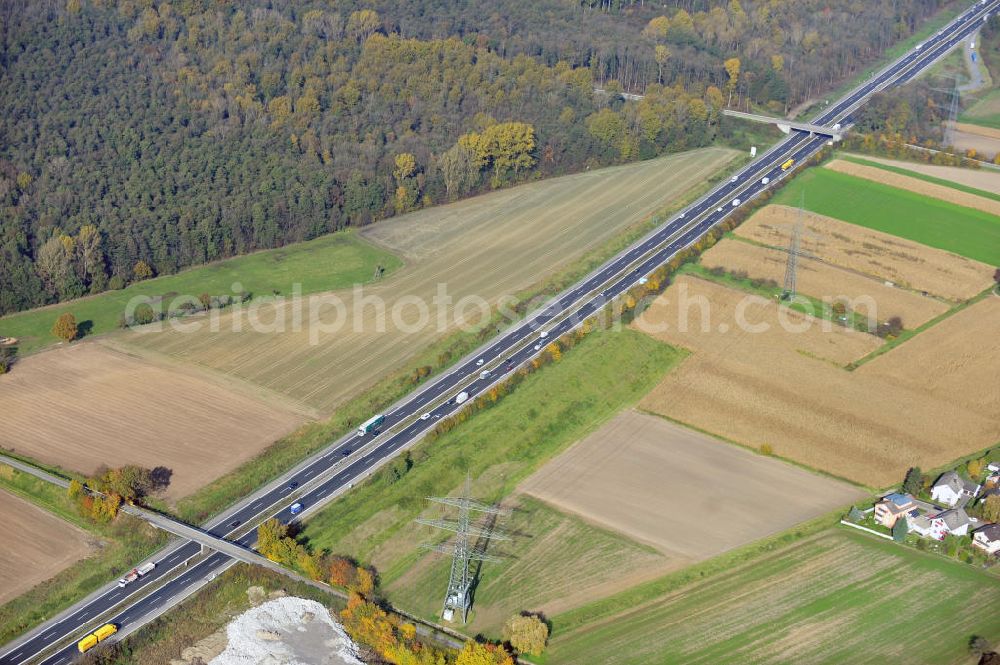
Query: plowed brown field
{"points": [[647, 477], [86, 405], [935, 402], [37, 545], [826, 281], [881, 255]]}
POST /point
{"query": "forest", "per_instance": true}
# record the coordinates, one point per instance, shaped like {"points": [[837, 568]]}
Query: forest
{"points": [[143, 136]]}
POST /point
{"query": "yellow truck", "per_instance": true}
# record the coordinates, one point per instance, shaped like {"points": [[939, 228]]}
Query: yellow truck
{"points": [[99, 635], [787, 165]]}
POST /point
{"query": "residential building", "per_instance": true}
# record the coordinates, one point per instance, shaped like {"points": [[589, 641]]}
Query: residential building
{"points": [[892, 507], [987, 538], [939, 525], [950, 489]]}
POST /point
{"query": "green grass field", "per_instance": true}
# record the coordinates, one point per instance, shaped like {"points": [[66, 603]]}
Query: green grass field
{"points": [[836, 597], [499, 447], [932, 222], [332, 262]]}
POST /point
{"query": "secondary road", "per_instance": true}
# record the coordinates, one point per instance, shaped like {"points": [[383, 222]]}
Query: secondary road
{"points": [[180, 571]]}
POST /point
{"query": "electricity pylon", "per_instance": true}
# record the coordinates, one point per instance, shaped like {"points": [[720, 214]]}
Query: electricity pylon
{"points": [[461, 548]]}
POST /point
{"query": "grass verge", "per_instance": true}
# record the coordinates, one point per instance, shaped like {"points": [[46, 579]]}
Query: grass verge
{"points": [[607, 371], [964, 231]]}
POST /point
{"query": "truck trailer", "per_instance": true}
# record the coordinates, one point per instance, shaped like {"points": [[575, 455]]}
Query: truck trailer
{"points": [[371, 424]]}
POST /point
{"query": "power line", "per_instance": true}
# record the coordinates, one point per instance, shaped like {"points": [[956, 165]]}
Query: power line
{"points": [[462, 549]]}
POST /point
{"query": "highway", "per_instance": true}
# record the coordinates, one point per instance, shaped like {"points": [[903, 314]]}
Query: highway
{"points": [[180, 569]]}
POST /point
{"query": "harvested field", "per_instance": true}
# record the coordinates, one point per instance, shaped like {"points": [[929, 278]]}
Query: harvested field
{"points": [[823, 599], [911, 184], [874, 253], [646, 477], [957, 361], [825, 281], [37, 545], [557, 562], [85, 405], [984, 179], [485, 247], [785, 388]]}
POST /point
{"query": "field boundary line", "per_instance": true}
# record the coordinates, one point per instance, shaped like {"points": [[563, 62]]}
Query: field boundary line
{"points": [[866, 530]]}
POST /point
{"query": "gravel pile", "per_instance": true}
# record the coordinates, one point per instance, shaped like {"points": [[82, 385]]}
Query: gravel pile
{"points": [[287, 631]]}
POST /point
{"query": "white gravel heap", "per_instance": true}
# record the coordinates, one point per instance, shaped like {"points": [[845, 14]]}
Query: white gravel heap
{"points": [[287, 631]]}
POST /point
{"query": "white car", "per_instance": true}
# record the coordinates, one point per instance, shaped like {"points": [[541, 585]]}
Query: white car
{"points": [[425, 416], [734, 178], [543, 334], [485, 374], [719, 209], [479, 362], [537, 347], [681, 216]]}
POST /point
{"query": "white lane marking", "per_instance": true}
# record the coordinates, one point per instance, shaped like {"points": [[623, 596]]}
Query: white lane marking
{"points": [[320, 493], [310, 472]]}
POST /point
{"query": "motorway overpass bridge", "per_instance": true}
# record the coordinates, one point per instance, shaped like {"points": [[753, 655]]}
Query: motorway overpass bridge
{"points": [[170, 525], [784, 124]]}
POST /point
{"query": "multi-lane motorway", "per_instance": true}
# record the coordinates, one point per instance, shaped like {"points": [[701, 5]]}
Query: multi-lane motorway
{"points": [[181, 570]]}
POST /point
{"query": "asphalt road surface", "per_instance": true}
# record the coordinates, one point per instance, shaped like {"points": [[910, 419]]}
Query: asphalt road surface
{"points": [[181, 569]]}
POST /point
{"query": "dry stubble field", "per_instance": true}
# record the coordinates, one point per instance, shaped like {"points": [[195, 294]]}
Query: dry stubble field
{"points": [[688, 494], [788, 389], [37, 545], [984, 179], [487, 246], [85, 405], [826, 281], [900, 181], [881, 255]]}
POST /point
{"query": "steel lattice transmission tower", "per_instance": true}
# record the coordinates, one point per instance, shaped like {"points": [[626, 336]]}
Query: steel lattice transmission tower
{"points": [[468, 545], [792, 265]]}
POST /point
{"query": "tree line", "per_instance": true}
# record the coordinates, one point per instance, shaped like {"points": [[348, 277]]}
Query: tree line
{"points": [[143, 137]]}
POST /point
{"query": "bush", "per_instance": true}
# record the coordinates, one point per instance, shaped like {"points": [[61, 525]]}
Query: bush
{"points": [[527, 633], [766, 449]]}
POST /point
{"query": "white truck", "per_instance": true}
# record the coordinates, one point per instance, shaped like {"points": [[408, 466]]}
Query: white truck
{"points": [[736, 202], [765, 180], [461, 397], [136, 573]]}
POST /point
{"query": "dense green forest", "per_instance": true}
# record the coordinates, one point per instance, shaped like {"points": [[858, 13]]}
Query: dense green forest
{"points": [[139, 137]]}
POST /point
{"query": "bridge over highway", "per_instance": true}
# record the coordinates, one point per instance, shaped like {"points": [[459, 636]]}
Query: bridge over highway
{"points": [[170, 525], [835, 132]]}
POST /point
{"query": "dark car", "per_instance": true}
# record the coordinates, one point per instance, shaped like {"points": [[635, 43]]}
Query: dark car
{"points": [[292, 485], [234, 524]]}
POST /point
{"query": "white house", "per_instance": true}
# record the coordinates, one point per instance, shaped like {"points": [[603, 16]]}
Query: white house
{"points": [[950, 489], [937, 526], [988, 538]]}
